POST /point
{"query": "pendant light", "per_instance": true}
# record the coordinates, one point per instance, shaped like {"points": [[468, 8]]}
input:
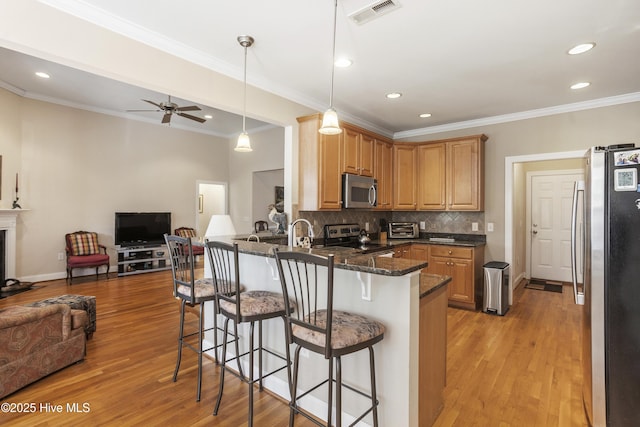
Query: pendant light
{"points": [[330, 124], [244, 144]]}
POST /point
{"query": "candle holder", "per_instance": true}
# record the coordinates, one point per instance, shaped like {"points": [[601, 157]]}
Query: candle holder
{"points": [[15, 204]]}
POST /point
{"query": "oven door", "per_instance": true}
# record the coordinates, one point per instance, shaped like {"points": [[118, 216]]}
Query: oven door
{"points": [[359, 191]]}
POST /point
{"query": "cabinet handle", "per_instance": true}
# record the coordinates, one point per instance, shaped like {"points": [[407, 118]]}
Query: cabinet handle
{"points": [[450, 252]]}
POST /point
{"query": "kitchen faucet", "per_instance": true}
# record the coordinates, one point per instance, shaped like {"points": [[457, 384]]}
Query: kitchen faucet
{"points": [[293, 239]]}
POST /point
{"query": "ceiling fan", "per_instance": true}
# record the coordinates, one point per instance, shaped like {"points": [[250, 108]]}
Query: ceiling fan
{"points": [[171, 108]]}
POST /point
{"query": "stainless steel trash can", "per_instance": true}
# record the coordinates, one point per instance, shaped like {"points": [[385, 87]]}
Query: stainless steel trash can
{"points": [[496, 288]]}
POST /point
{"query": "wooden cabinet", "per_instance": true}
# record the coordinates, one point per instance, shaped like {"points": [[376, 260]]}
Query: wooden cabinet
{"points": [[383, 172], [464, 267], [320, 167], [403, 251], [465, 174], [420, 252], [357, 152], [432, 176], [405, 169], [439, 175]]}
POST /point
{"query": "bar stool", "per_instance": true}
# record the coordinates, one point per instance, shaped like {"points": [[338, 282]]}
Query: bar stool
{"points": [[250, 307], [319, 328], [192, 292]]}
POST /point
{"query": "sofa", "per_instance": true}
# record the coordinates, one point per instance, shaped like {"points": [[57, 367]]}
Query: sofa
{"points": [[37, 341]]}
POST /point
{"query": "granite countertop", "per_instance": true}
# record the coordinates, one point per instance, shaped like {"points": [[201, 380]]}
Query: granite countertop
{"points": [[344, 258], [431, 282]]}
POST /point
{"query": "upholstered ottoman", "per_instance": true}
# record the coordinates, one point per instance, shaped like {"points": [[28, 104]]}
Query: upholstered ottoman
{"points": [[78, 302]]}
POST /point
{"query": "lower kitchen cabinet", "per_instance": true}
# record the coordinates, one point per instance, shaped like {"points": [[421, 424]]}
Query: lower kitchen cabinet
{"points": [[464, 267]]}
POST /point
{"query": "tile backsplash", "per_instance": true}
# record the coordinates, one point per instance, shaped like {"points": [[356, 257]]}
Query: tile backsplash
{"points": [[435, 222]]}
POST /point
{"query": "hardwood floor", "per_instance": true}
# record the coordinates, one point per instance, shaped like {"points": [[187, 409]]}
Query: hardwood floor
{"points": [[518, 370]]}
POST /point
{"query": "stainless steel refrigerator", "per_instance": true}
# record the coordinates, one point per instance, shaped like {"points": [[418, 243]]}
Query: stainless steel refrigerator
{"points": [[609, 238]]}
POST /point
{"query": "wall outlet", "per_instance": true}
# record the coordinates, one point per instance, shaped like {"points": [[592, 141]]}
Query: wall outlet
{"points": [[474, 226], [366, 226], [60, 256], [489, 227], [423, 225]]}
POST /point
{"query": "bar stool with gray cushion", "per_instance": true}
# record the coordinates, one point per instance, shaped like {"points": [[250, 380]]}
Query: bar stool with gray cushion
{"points": [[250, 307], [191, 292], [323, 330]]}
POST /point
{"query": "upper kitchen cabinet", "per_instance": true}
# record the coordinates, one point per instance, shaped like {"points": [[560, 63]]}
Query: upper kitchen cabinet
{"points": [[383, 173], [465, 173], [405, 170], [452, 174], [320, 166], [358, 151]]}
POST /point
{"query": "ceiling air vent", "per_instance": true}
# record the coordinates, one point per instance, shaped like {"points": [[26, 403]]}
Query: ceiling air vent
{"points": [[374, 10]]}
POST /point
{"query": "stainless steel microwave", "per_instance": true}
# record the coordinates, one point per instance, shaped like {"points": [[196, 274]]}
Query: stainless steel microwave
{"points": [[359, 191]]}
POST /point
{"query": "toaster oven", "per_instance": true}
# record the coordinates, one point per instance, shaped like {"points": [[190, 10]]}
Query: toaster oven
{"points": [[403, 230]]}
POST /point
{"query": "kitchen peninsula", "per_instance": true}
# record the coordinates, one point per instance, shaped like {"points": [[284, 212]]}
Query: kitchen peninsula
{"points": [[411, 305]]}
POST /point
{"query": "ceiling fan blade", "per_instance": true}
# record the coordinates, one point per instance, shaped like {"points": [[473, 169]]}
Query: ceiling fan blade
{"points": [[166, 118], [153, 103], [137, 111], [188, 108], [189, 116]]}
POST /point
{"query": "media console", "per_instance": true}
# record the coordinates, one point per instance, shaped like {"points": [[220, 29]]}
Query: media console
{"points": [[142, 259]]}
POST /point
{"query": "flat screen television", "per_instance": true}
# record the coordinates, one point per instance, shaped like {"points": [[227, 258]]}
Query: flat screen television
{"points": [[142, 228]]}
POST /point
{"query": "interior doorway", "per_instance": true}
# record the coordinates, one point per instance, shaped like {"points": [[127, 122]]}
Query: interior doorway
{"points": [[549, 212], [211, 199]]}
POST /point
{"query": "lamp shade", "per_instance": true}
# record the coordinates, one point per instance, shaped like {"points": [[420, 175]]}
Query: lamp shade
{"points": [[220, 225], [244, 143], [330, 124]]}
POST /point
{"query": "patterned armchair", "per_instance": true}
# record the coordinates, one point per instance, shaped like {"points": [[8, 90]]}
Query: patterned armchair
{"points": [[83, 250], [189, 233]]}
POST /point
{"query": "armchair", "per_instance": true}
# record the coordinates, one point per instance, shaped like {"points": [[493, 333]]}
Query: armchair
{"points": [[83, 250], [188, 232]]}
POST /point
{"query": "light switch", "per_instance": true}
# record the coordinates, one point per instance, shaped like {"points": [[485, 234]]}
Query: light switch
{"points": [[489, 226], [423, 225], [474, 226]]}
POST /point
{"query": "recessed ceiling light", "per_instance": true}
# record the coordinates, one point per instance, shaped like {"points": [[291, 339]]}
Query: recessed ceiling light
{"points": [[343, 62], [42, 74], [425, 115], [580, 85], [581, 48], [208, 116], [394, 95]]}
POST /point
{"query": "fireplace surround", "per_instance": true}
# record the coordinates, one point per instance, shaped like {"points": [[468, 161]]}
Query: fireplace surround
{"points": [[8, 224]]}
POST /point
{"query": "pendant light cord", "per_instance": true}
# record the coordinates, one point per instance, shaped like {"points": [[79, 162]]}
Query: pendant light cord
{"points": [[244, 108], [333, 60]]}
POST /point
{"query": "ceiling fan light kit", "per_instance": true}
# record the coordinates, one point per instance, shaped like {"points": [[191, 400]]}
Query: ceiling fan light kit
{"points": [[244, 143], [170, 108], [330, 122]]}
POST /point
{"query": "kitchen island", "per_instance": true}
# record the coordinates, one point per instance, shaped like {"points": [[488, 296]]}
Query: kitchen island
{"points": [[376, 285]]}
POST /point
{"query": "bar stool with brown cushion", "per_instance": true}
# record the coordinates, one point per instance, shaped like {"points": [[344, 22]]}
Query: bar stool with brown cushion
{"points": [[249, 307], [191, 292], [323, 330]]}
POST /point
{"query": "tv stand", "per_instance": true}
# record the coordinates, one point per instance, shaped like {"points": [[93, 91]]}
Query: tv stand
{"points": [[142, 259]]}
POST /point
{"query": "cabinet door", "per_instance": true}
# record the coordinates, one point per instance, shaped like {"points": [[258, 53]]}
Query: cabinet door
{"points": [[402, 252], [383, 173], [350, 151], [404, 179], [366, 155], [461, 285], [465, 178], [432, 177], [330, 182]]}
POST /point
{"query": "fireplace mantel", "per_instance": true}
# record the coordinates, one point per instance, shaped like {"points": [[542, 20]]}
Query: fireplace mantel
{"points": [[8, 222]]}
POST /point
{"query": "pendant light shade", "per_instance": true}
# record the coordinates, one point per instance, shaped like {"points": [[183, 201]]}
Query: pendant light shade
{"points": [[244, 143], [330, 123]]}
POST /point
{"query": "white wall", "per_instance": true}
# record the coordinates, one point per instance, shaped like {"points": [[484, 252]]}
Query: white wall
{"points": [[267, 154]]}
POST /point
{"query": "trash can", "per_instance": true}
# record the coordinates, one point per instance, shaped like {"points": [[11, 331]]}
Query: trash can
{"points": [[496, 288]]}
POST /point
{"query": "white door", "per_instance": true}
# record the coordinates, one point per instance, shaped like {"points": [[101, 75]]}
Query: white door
{"points": [[550, 225]]}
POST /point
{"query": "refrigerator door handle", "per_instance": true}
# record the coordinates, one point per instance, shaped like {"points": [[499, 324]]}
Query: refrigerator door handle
{"points": [[578, 296]]}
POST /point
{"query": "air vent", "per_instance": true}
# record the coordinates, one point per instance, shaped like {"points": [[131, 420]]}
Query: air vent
{"points": [[374, 10]]}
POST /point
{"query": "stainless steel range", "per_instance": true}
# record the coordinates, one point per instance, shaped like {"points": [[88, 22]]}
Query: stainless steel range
{"points": [[348, 236]]}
